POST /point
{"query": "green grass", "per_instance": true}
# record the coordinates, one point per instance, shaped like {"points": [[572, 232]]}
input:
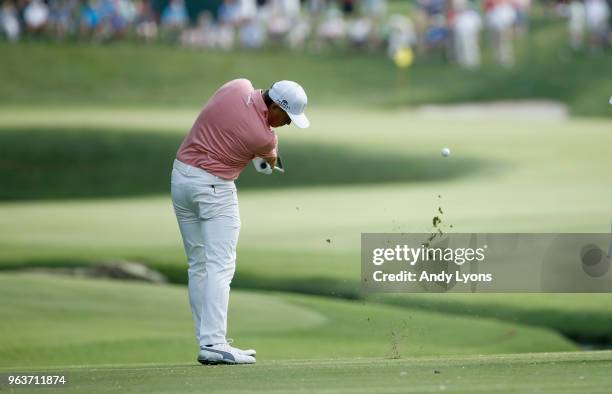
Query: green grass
{"points": [[74, 133], [56, 163], [586, 372], [552, 178], [50, 321], [143, 76], [581, 317]]}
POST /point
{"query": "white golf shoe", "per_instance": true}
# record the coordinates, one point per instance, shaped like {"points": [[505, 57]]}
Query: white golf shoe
{"points": [[224, 353], [246, 352]]}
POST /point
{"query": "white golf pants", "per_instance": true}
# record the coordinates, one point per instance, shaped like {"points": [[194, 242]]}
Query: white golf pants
{"points": [[206, 208]]}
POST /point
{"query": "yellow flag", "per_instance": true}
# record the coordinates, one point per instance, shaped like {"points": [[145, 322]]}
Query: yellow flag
{"points": [[403, 57]]}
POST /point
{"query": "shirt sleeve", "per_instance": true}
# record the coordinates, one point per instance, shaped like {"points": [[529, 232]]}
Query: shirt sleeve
{"points": [[268, 151]]}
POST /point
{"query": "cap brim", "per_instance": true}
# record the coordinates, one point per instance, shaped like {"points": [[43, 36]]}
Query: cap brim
{"points": [[300, 120]]}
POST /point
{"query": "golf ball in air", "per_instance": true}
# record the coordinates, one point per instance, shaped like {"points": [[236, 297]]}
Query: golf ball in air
{"points": [[445, 152]]}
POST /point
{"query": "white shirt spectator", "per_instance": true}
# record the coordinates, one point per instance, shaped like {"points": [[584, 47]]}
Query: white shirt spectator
{"points": [[576, 24], [225, 37], [501, 19], [36, 15], [359, 30], [298, 34], [401, 34], [252, 34], [288, 8], [278, 26], [468, 24], [597, 14], [375, 8], [333, 26], [248, 9], [576, 15], [127, 10], [502, 16], [9, 22]]}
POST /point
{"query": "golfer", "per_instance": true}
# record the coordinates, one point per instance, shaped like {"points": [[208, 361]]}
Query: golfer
{"points": [[234, 128]]}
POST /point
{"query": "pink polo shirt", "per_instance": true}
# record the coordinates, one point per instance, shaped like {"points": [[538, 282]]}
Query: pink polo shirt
{"points": [[229, 132]]}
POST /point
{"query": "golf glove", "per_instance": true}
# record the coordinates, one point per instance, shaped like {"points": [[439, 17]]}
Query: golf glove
{"points": [[262, 166]]}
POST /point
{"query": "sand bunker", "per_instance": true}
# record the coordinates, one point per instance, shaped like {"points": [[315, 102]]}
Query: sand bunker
{"points": [[525, 109]]}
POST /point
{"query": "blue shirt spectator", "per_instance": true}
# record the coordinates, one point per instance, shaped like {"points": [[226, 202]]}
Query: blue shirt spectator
{"points": [[175, 14]]}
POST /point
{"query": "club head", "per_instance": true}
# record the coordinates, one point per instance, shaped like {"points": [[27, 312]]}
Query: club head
{"points": [[279, 164]]}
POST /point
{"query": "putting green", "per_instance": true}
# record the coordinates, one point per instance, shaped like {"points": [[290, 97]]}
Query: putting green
{"points": [[64, 321]]}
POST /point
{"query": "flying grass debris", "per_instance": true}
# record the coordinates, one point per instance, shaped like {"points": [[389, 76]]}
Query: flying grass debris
{"points": [[436, 222]]}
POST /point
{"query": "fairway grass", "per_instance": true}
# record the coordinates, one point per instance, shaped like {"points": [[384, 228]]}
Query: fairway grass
{"points": [[86, 149], [564, 313], [549, 176], [58, 164], [49, 321], [584, 372]]}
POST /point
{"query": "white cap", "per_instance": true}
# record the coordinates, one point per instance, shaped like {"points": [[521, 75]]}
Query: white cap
{"points": [[291, 97]]}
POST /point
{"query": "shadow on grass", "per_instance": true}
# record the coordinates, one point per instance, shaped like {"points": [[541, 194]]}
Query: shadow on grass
{"points": [[569, 323], [55, 163]]}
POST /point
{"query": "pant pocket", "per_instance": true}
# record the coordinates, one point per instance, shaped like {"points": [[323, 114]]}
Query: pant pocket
{"points": [[217, 201]]}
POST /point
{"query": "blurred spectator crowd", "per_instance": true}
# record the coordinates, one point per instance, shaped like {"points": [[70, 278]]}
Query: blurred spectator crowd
{"points": [[452, 29]]}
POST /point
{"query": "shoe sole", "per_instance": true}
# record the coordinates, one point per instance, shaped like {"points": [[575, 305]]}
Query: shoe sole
{"points": [[207, 362], [220, 362]]}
